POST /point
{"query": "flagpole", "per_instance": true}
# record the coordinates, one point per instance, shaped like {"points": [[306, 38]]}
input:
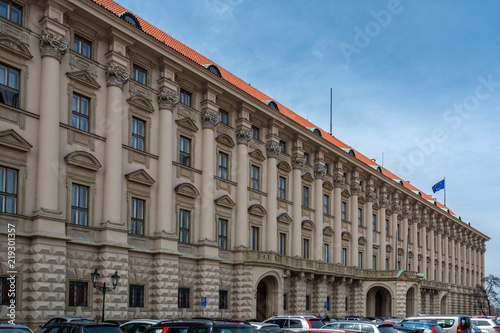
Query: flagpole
{"points": [[444, 191]]}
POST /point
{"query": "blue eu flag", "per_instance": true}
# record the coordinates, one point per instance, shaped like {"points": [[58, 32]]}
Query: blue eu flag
{"points": [[438, 186]]}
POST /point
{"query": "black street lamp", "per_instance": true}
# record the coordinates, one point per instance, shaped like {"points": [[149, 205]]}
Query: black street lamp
{"points": [[103, 289]]}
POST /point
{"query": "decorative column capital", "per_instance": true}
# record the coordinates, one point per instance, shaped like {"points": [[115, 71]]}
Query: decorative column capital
{"points": [[243, 135], [116, 75], [395, 207], [273, 149], [319, 171], [370, 195], [167, 98], [52, 45], [355, 186], [209, 119], [298, 161], [338, 180], [383, 201]]}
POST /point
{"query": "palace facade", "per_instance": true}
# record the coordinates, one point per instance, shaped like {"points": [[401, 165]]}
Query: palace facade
{"points": [[121, 149]]}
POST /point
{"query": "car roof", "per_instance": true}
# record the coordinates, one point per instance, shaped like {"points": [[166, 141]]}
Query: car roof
{"points": [[147, 321], [84, 323], [437, 316], [218, 322]]}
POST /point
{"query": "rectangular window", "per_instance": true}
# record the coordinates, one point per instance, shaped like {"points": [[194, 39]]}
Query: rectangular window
{"points": [[254, 239], [409, 237], [8, 190], [344, 211], [183, 298], [326, 251], [305, 248], [184, 226], [308, 302], [399, 265], [223, 117], [305, 196], [306, 158], [80, 112], [285, 305], [185, 151], [9, 85], [360, 259], [79, 204], [327, 167], [222, 299], [78, 292], [6, 285], [418, 238], [255, 175], [397, 232], [138, 134], [255, 132], [386, 227], [82, 46], [223, 166], [185, 97], [360, 216], [282, 146], [374, 222], [282, 244], [222, 232], [374, 262], [136, 296], [386, 264], [282, 188], [344, 256], [139, 74], [10, 11], [137, 216], [326, 204]]}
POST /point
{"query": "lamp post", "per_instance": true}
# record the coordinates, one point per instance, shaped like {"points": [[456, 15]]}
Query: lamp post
{"points": [[103, 289]]}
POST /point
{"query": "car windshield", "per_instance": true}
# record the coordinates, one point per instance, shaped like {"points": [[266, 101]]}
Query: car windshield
{"points": [[14, 330], [236, 329], [497, 322], [316, 323], [102, 329]]}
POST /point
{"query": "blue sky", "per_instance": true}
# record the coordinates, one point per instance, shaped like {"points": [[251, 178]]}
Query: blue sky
{"points": [[416, 84]]}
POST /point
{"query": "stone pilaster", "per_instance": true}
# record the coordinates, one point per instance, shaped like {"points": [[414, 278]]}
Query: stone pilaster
{"points": [[319, 173], [298, 294], [370, 198], [243, 136], [208, 283], [396, 209], [297, 165], [401, 299], [273, 151], [338, 182], [355, 190], [242, 297], [320, 292], [383, 203]]}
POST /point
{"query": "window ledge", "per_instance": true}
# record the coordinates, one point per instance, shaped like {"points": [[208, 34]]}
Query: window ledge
{"points": [[285, 201], [187, 168], [257, 191], [225, 180], [140, 152], [92, 135]]}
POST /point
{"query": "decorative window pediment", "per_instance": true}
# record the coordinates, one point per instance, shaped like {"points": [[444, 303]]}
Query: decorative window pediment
{"points": [[187, 190], [285, 218], [328, 185], [141, 177], [12, 45], [376, 206], [225, 140], [257, 154], [84, 78], [187, 123], [284, 166], [257, 210], [346, 193], [307, 177], [346, 235], [225, 201], [328, 231], [11, 139], [361, 200], [83, 159], [362, 240], [388, 248], [141, 103], [308, 225], [401, 252]]}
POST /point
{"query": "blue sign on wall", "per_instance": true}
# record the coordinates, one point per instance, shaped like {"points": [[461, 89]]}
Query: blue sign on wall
{"points": [[203, 302]]}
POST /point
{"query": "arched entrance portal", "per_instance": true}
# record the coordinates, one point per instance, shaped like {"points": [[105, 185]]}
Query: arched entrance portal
{"points": [[378, 302], [411, 302], [261, 310], [267, 298], [443, 305]]}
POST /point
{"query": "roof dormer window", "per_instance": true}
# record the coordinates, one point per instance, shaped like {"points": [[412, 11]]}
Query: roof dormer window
{"points": [[272, 104], [128, 17], [213, 69]]}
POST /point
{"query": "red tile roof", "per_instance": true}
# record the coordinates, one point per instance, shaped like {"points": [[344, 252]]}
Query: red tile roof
{"points": [[189, 53]]}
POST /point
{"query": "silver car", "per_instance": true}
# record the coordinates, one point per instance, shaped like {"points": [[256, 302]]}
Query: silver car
{"points": [[486, 325], [365, 326], [57, 320]]}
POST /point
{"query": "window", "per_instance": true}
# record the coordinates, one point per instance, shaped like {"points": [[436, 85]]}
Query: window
{"points": [[282, 146], [409, 237], [326, 250], [305, 248], [386, 264], [183, 298], [138, 134], [282, 188], [185, 151], [282, 244], [418, 238], [185, 97], [360, 259], [184, 226], [254, 239], [344, 211], [328, 303], [386, 227], [255, 132], [374, 262], [82, 46], [308, 301], [327, 167], [79, 204], [10, 11], [80, 112], [305, 196], [78, 292], [139, 74], [136, 296], [397, 232], [326, 204], [223, 165], [223, 117], [222, 232], [8, 190], [306, 158], [254, 180], [374, 222], [344, 256], [360, 216], [137, 216], [9, 85], [285, 305], [222, 299], [399, 265], [7, 284]]}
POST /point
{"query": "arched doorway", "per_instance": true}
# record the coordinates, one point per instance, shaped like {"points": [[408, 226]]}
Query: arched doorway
{"points": [[261, 310], [266, 298], [378, 302], [411, 302], [443, 305]]}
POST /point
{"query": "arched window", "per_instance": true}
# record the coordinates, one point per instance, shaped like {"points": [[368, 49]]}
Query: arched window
{"points": [[213, 69], [128, 17]]}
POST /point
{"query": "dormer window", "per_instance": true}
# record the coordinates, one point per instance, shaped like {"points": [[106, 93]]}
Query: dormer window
{"points": [[315, 130], [213, 69], [128, 17], [272, 104]]}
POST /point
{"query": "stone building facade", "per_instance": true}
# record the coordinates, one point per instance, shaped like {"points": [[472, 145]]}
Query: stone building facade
{"points": [[123, 150]]}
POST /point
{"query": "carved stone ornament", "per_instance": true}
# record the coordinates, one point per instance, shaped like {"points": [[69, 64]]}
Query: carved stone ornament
{"points": [[298, 161], [370, 195], [383, 202], [395, 207], [425, 221], [355, 187], [52, 45], [116, 75], [209, 119], [243, 135], [273, 149], [167, 99], [319, 171], [338, 180]]}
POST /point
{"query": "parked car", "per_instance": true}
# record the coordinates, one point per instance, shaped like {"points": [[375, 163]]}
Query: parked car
{"points": [[449, 323], [475, 329], [325, 330], [137, 325], [365, 326], [486, 324], [403, 329], [83, 327], [57, 320], [303, 322], [199, 326], [16, 328], [427, 328], [262, 325]]}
